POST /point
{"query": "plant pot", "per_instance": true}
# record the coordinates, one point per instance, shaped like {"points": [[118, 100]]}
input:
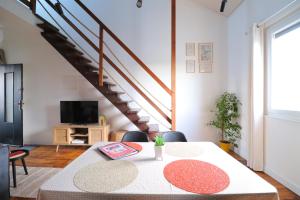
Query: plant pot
{"points": [[159, 151], [226, 146]]}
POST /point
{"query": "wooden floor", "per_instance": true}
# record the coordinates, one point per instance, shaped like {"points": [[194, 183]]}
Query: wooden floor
{"points": [[45, 156]]}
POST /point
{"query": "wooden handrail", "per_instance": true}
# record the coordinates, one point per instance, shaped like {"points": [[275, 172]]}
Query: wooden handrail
{"points": [[125, 47], [74, 27], [137, 89]]}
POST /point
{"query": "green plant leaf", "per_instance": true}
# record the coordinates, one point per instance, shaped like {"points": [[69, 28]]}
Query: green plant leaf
{"points": [[226, 117], [159, 141]]}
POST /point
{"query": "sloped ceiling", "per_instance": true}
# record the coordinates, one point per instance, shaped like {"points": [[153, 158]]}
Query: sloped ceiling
{"points": [[215, 5]]}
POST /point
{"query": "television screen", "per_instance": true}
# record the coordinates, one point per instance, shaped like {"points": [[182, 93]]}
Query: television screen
{"points": [[79, 112]]}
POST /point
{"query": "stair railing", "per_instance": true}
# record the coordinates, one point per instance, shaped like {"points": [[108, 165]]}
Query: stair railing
{"points": [[100, 49], [97, 62]]}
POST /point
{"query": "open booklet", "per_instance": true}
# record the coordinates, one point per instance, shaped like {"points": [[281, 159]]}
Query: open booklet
{"points": [[118, 150]]}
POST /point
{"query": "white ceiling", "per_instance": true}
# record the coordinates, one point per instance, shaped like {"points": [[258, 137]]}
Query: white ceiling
{"points": [[215, 5]]}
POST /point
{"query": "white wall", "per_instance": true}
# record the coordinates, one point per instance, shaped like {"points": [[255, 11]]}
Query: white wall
{"points": [[197, 93], [282, 149], [147, 32], [1, 35], [281, 140]]}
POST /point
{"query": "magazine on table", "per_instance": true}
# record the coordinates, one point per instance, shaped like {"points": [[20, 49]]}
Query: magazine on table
{"points": [[117, 150]]}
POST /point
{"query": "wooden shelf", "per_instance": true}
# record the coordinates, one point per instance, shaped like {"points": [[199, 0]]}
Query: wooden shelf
{"points": [[79, 135], [64, 134]]}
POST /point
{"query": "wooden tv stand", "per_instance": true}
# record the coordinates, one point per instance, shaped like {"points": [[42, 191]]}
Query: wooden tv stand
{"points": [[67, 134]]}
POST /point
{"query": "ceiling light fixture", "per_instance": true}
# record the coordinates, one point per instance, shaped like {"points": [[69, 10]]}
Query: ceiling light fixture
{"points": [[139, 3], [223, 5]]}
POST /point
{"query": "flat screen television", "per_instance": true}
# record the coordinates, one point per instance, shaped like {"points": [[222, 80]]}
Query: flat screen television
{"points": [[79, 112]]}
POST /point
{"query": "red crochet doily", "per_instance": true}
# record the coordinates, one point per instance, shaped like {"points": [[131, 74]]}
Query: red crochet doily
{"points": [[196, 176]]}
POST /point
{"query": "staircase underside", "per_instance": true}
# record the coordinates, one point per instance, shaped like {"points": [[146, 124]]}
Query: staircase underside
{"points": [[84, 65]]}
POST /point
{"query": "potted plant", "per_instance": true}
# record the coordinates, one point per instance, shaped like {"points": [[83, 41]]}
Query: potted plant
{"points": [[159, 147], [226, 115]]}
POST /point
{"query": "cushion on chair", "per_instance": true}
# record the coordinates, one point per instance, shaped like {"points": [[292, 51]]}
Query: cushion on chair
{"points": [[16, 154]]}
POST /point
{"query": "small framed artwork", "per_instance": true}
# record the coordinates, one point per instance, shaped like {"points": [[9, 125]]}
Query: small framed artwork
{"points": [[2, 57], [190, 66], [205, 51], [205, 67], [190, 49]]}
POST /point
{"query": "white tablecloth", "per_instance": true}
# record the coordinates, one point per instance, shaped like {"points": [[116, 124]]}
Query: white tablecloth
{"points": [[151, 183]]}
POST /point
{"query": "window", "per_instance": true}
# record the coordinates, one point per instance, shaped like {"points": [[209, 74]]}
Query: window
{"points": [[284, 66]]}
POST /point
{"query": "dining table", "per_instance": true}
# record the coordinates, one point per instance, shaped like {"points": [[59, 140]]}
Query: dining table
{"points": [[188, 170]]}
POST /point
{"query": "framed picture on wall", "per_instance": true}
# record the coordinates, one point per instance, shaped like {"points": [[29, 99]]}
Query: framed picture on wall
{"points": [[205, 51], [190, 49], [190, 66], [205, 68], [2, 57]]}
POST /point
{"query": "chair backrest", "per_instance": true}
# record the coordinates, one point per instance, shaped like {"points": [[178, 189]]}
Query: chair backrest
{"points": [[4, 173], [135, 136], [174, 136]]}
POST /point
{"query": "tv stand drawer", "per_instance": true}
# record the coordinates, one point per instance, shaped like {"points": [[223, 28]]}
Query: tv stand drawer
{"points": [[72, 134], [61, 136]]}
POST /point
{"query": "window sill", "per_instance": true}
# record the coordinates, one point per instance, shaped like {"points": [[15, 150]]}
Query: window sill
{"points": [[284, 116]]}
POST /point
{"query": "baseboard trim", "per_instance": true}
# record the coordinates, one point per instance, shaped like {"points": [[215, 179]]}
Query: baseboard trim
{"points": [[295, 188]]}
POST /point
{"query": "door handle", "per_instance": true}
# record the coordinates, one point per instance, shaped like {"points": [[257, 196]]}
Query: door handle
{"points": [[20, 103]]}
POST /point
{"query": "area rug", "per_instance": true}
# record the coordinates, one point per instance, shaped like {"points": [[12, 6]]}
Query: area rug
{"points": [[28, 185]]}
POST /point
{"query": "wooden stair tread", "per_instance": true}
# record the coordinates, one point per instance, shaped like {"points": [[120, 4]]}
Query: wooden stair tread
{"points": [[55, 36], [114, 92], [48, 27], [42, 19], [104, 76], [144, 120], [81, 59], [64, 50], [133, 111], [67, 51], [64, 44], [88, 66], [70, 52], [109, 83], [91, 73], [45, 21], [123, 102]]}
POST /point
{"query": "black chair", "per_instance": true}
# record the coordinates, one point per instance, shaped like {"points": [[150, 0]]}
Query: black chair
{"points": [[135, 136], [14, 155], [174, 136], [4, 172]]}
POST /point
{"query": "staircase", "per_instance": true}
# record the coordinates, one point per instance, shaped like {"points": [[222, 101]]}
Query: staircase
{"points": [[77, 58]]}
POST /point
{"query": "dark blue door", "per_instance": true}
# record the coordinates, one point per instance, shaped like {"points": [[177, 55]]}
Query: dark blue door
{"points": [[11, 102]]}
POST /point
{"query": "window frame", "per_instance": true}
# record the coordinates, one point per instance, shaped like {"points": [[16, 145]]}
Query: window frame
{"points": [[270, 33]]}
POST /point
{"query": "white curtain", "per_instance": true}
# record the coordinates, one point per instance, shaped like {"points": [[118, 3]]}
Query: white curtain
{"points": [[256, 136]]}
